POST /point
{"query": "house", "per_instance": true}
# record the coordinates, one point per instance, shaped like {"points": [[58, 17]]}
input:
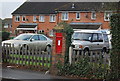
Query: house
{"points": [[7, 24], [44, 16]]}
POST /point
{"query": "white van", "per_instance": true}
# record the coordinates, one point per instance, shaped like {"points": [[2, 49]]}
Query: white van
{"points": [[87, 40]]}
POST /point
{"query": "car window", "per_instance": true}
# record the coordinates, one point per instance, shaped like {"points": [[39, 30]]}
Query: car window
{"points": [[42, 38], [106, 37], [95, 38], [23, 37], [82, 36], [100, 37], [35, 37]]}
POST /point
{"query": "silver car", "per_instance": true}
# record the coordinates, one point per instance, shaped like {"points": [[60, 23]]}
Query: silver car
{"points": [[87, 40], [30, 40]]}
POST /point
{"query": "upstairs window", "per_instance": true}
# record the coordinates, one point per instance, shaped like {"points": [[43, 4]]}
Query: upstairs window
{"points": [[93, 15], [107, 16], [41, 18], [23, 18], [34, 18], [52, 18], [77, 15], [17, 18], [65, 16]]}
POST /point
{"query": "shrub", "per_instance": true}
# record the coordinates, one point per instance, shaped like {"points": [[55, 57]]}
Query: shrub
{"points": [[5, 35], [84, 69]]}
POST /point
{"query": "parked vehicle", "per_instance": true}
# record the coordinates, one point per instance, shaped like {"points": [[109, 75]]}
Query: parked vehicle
{"points": [[87, 40], [107, 31], [30, 40]]}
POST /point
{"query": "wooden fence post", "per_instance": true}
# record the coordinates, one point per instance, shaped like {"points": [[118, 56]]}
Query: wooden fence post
{"points": [[70, 54]]}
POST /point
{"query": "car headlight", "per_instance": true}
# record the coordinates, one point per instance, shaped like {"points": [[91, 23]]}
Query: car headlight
{"points": [[78, 46]]}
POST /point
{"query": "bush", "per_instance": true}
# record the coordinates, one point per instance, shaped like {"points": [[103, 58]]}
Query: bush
{"points": [[5, 35], [115, 52], [84, 69]]}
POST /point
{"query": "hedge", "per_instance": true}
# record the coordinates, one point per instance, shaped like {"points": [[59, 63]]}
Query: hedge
{"points": [[115, 52]]}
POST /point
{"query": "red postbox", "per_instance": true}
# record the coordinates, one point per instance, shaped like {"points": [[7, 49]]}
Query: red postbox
{"points": [[58, 42]]}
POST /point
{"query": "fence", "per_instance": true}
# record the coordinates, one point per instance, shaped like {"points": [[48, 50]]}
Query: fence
{"points": [[95, 56], [26, 57]]}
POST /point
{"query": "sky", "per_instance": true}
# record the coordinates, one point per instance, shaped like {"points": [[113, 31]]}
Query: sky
{"points": [[8, 6]]}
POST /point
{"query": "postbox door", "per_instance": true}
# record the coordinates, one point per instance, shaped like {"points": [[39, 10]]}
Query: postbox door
{"points": [[58, 43]]}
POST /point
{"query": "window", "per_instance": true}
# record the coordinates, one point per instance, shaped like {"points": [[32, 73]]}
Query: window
{"points": [[100, 38], [5, 25], [106, 37], [35, 37], [41, 18], [51, 33], [52, 18], [65, 16], [23, 18], [77, 15], [34, 18], [93, 15], [10, 26], [17, 18], [95, 38], [42, 38], [107, 16]]}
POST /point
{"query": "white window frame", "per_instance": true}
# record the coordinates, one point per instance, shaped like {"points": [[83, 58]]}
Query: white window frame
{"points": [[23, 17], [17, 18], [93, 15], [34, 18], [41, 18], [107, 15], [65, 16], [6, 25], [51, 33], [77, 14], [52, 18]]}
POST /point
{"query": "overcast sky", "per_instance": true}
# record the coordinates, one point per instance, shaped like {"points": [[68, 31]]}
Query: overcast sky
{"points": [[8, 6]]}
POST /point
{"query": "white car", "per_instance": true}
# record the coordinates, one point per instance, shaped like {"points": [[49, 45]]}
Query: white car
{"points": [[87, 40], [30, 40]]}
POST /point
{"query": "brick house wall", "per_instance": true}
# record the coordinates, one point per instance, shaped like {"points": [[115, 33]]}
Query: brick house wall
{"points": [[47, 25]]}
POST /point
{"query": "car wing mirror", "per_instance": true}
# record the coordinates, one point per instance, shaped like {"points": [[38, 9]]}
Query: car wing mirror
{"points": [[31, 40]]}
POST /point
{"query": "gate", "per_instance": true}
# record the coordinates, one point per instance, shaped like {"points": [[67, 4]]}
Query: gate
{"points": [[27, 57]]}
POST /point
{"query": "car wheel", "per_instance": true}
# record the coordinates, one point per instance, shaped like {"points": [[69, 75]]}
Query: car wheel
{"points": [[86, 52], [103, 52], [48, 49]]}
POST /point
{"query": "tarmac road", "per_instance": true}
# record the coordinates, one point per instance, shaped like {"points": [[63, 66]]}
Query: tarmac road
{"points": [[9, 73]]}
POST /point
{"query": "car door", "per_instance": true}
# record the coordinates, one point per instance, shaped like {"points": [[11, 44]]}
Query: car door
{"points": [[34, 41], [101, 42], [94, 42], [43, 42]]}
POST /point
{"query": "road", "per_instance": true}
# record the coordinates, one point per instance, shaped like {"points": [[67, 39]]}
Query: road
{"points": [[26, 74]]}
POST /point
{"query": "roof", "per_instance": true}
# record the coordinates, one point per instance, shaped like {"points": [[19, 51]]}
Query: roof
{"points": [[88, 31], [7, 20], [27, 26], [52, 7], [79, 25]]}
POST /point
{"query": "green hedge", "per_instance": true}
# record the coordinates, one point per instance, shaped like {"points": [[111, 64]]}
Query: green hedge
{"points": [[5, 35], [115, 52]]}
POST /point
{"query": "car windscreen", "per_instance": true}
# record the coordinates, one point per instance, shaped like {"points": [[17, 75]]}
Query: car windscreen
{"points": [[23, 37], [82, 36]]}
